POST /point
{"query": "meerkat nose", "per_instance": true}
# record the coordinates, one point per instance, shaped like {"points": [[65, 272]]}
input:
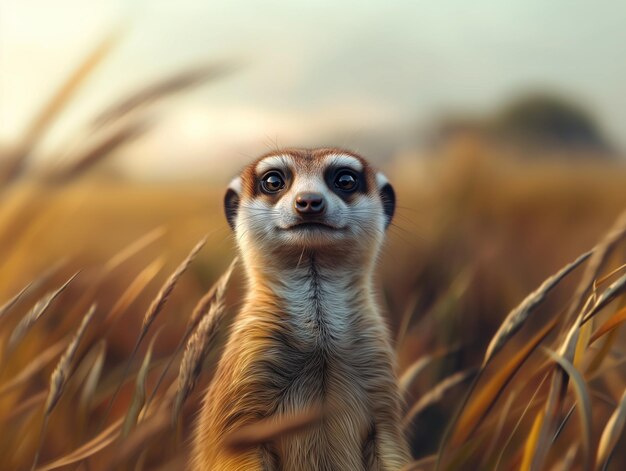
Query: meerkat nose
{"points": [[310, 203]]}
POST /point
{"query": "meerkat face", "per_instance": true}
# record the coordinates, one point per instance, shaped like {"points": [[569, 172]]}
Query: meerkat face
{"points": [[297, 199]]}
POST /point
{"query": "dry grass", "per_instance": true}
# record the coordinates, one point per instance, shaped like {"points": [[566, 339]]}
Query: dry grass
{"points": [[202, 329], [469, 243], [271, 429], [60, 376]]}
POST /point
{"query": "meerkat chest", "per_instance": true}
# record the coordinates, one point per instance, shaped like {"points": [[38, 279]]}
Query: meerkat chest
{"points": [[323, 361], [321, 312], [320, 341]]}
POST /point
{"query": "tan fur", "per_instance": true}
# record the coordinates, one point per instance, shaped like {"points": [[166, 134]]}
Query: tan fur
{"points": [[309, 334]]}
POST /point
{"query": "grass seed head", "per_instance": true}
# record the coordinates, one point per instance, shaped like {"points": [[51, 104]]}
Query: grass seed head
{"points": [[62, 370]]}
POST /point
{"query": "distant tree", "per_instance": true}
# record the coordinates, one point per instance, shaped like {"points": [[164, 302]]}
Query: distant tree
{"points": [[549, 120]]}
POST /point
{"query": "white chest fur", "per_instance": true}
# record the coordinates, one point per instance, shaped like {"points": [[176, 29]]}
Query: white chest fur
{"points": [[321, 304]]}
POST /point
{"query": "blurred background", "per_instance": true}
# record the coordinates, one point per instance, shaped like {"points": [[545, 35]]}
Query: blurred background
{"points": [[502, 126], [385, 78]]}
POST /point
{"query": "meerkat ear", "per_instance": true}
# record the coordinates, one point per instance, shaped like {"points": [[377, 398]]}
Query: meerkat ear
{"points": [[231, 201], [388, 197]]}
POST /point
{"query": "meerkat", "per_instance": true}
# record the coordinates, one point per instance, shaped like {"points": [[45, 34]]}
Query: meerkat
{"points": [[309, 226]]}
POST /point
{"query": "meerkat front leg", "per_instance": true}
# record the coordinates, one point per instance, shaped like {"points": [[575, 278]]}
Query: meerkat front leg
{"points": [[384, 450], [391, 444], [391, 447]]}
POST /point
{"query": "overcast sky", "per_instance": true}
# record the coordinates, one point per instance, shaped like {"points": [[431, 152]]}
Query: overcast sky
{"points": [[312, 69]]}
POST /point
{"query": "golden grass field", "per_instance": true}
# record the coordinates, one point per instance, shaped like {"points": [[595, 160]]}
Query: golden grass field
{"points": [[113, 314], [469, 243]]}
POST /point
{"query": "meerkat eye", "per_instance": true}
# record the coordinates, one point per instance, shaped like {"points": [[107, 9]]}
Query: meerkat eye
{"points": [[346, 180], [272, 182]]}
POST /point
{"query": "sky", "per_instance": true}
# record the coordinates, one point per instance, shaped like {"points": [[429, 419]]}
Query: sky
{"points": [[347, 72]]}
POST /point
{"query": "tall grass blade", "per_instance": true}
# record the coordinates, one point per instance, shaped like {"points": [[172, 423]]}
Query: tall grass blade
{"points": [[6, 307], [134, 248], [36, 365], [609, 325], [151, 314], [60, 375], [601, 353], [567, 463], [271, 429], [584, 405], [139, 398], [598, 257], [563, 423], [91, 382], [90, 448], [215, 295], [414, 370], [409, 376], [136, 442], [405, 321], [556, 395], [612, 292], [198, 346], [518, 316], [611, 434], [159, 302], [518, 423], [38, 310], [62, 370], [496, 435], [25, 406], [486, 398], [98, 152], [135, 288], [423, 464], [582, 344], [435, 395], [174, 84], [531, 442]]}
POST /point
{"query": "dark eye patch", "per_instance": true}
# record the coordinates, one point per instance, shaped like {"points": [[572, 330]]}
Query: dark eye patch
{"points": [[345, 192]]}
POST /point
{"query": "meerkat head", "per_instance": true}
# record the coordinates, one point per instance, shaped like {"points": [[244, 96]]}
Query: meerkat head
{"points": [[322, 200]]}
